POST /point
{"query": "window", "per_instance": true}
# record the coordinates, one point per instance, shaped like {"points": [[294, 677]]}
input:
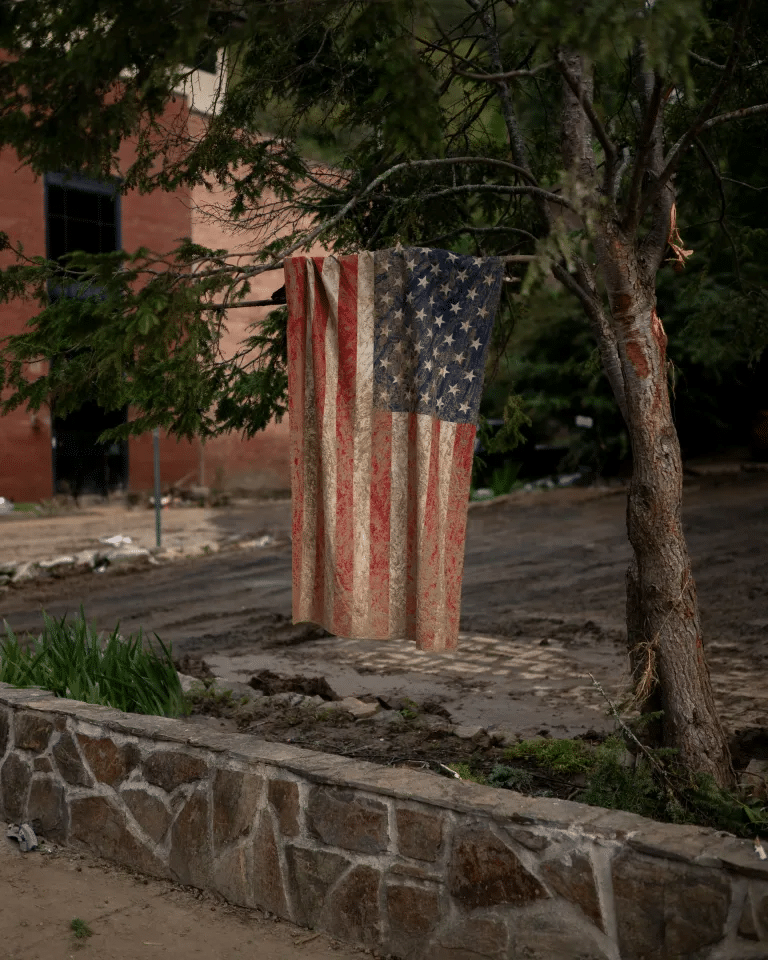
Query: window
{"points": [[81, 214]]}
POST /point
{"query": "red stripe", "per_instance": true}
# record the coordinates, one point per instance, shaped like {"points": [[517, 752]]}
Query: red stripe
{"points": [[429, 626], [381, 501], [319, 323], [456, 527], [295, 281], [345, 445], [412, 563]]}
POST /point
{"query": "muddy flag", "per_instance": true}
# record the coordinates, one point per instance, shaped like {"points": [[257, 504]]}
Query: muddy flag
{"points": [[386, 353]]}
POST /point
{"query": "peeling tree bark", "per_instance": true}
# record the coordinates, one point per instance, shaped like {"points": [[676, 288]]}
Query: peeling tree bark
{"points": [[663, 629]]}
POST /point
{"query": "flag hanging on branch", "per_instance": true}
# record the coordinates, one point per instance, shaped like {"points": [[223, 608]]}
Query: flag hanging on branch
{"points": [[386, 353]]}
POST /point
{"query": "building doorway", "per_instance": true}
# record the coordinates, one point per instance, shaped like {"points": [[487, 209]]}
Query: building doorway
{"points": [[82, 465], [84, 214]]}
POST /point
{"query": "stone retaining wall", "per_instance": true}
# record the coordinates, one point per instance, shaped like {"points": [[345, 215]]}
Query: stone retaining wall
{"points": [[409, 863]]}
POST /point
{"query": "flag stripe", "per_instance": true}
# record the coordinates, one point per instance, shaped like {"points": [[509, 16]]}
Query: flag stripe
{"points": [[398, 524], [328, 440], [425, 625], [304, 607], [318, 335], [381, 500], [297, 336], [343, 599], [413, 529], [363, 489], [456, 523], [445, 481]]}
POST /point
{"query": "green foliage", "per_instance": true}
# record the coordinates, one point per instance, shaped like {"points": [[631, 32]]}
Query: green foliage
{"points": [[652, 784], [513, 778], [80, 928], [656, 787], [466, 772], [560, 756], [371, 87], [72, 660]]}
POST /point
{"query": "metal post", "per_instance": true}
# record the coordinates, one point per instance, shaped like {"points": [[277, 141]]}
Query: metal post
{"points": [[158, 505]]}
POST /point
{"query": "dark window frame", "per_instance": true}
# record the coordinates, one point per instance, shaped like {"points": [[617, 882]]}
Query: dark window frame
{"points": [[77, 181]]}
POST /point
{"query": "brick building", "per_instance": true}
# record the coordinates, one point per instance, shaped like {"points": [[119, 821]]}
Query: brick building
{"points": [[41, 454]]}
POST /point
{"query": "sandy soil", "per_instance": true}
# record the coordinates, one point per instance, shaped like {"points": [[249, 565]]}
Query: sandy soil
{"points": [[132, 917], [542, 604]]}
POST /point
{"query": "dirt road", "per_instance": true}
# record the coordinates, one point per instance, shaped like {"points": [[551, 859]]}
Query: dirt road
{"points": [[542, 607], [133, 918]]}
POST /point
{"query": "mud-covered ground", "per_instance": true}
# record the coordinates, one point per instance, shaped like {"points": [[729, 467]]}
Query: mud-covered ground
{"points": [[542, 610]]}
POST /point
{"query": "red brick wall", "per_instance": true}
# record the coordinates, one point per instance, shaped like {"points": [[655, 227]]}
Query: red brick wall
{"points": [[157, 221], [25, 440]]}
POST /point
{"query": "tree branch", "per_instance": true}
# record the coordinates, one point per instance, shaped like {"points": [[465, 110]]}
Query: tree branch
{"points": [[507, 75], [721, 66], [673, 157], [516, 144], [543, 195], [740, 114], [585, 291], [644, 145], [605, 141]]}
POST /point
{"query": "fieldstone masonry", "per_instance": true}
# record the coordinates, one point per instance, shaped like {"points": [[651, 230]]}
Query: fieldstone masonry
{"points": [[411, 864]]}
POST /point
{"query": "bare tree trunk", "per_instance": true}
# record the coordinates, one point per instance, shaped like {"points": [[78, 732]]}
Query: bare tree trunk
{"points": [[663, 628]]}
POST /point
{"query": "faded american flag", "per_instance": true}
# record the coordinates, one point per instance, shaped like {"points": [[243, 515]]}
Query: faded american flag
{"points": [[386, 353]]}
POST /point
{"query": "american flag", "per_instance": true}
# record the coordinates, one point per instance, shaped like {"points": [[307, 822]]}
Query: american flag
{"points": [[386, 353]]}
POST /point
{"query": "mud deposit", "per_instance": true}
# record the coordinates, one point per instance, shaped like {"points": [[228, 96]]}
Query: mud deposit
{"points": [[542, 609]]}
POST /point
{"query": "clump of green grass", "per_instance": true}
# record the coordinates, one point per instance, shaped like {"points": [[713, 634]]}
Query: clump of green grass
{"points": [[466, 773], [559, 756], [504, 479], [70, 659], [80, 928]]}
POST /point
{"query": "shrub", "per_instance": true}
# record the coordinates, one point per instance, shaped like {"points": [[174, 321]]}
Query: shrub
{"points": [[71, 659]]}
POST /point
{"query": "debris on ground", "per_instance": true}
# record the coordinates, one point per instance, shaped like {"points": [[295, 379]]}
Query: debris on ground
{"points": [[6, 506], [25, 835], [115, 541], [270, 683]]}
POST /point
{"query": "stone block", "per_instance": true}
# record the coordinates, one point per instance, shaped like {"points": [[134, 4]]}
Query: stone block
{"points": [[747, 927], [551, 933], [284, 797], [268, 883], [484, 871], [667, 909], [46, 807], [527, 838], [232, 876], [110, 764], [352, 910], [69, 762], [576, 882], [100, 826], [42, 765], [311, 875], [419, 833], [340, 818], [761, 912], [4, 727], [168, 769], [473, 938], [236, 796], [413, 914], [149, 812], [14, 784], [32, 731], [357, 709], [190, 856]]}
